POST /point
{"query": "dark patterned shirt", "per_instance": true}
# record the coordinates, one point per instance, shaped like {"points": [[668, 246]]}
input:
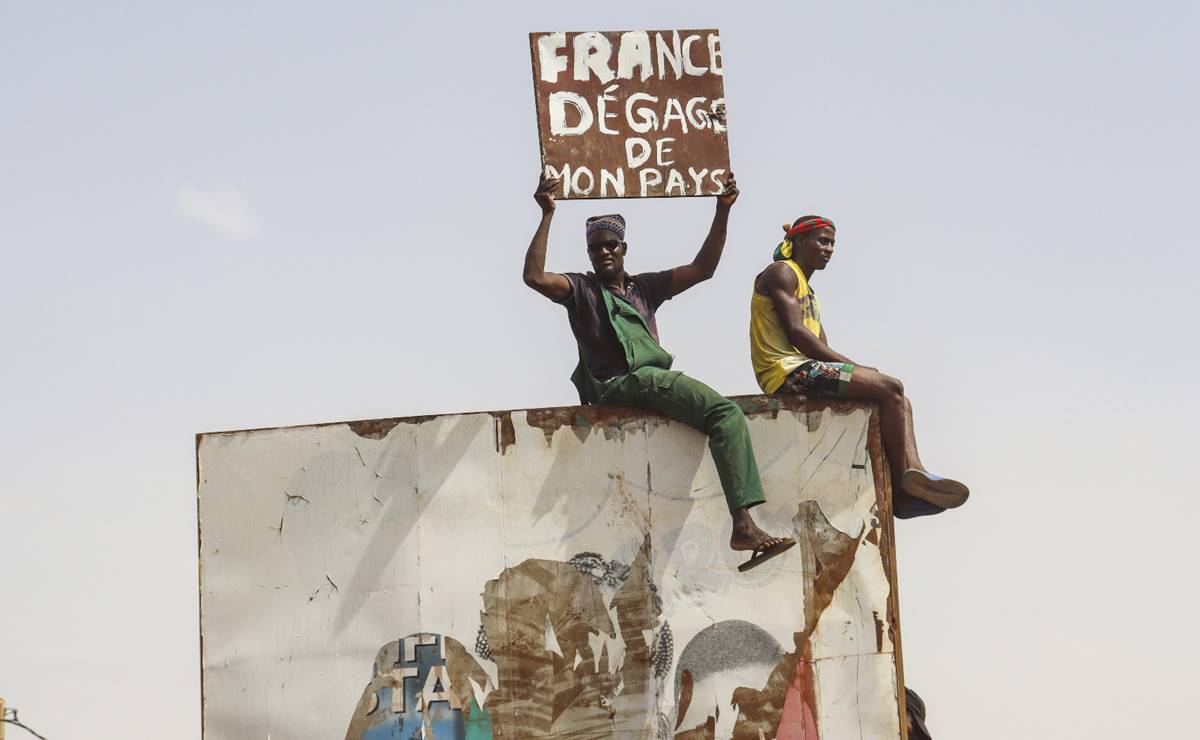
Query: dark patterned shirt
{"points": [[598, 343]]}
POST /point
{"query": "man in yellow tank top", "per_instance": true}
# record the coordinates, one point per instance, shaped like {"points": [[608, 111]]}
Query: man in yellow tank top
{"points": [[791, 354]]}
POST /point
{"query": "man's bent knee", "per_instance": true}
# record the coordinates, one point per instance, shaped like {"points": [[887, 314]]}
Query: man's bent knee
{"points": [[876, 386], [724, 410], [893, 387]]}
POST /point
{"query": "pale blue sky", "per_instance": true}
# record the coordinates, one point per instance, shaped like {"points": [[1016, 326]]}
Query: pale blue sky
{"points": [[221, 217]]}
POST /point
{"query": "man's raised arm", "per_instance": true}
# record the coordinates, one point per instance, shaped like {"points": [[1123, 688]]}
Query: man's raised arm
{"points": [[554, 286], [705, 264]]}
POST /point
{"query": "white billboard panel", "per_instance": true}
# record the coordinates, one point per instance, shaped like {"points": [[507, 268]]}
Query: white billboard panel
{"points": [[549, 573]]}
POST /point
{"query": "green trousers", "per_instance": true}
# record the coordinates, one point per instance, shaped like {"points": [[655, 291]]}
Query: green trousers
{"points": [[700, 407]]}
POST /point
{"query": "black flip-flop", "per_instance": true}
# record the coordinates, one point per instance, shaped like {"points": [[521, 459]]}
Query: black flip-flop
{"points": [[905, 506], [760, 555]]}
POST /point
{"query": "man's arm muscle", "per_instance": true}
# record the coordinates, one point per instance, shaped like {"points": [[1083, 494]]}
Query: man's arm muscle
{"points": [[779, 284], [704, 265]]}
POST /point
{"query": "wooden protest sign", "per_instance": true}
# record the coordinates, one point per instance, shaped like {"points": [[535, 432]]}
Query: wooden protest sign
{"points": [[631, 114]]}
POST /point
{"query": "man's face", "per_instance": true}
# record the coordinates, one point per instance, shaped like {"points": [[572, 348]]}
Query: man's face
{"points": [[813, 249], [607, 252]]}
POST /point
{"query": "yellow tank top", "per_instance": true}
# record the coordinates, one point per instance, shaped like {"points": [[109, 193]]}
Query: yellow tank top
{"points": [[771, 353]]}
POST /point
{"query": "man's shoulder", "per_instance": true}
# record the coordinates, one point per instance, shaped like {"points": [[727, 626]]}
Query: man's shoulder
{"points": [[650, 276], [586, 280], [584, 285], [655, 286], [655, 280], [781, 274]]}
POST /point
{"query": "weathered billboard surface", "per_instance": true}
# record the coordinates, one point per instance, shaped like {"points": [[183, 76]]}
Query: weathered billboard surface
{"points": [[551, 573], [631, 114]]}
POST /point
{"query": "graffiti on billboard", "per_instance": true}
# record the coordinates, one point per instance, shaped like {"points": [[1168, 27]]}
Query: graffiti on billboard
{"points": [[564, 646], [425, 686]]}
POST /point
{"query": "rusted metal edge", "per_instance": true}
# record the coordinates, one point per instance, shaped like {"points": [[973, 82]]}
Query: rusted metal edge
{"points": [[881, 471], [636, 197], [200, 582], [752, 405], [533, 72]]}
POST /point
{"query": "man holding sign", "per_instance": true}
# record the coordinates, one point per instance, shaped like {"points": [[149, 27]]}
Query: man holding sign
{"points": [[621, 362]]}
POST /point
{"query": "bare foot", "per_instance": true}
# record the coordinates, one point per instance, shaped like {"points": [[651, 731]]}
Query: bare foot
{"points": [[747, 535]]}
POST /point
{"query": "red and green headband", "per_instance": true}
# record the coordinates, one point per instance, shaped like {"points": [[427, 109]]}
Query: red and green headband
{"points": [[784, 250], [808, 224]]}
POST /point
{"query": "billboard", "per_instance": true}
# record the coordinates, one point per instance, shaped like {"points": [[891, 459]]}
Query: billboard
{"points": [[545, 573], [631, 114]]}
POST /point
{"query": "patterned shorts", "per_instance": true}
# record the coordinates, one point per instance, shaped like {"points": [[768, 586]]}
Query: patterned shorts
{"points": [[818, 378]]}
